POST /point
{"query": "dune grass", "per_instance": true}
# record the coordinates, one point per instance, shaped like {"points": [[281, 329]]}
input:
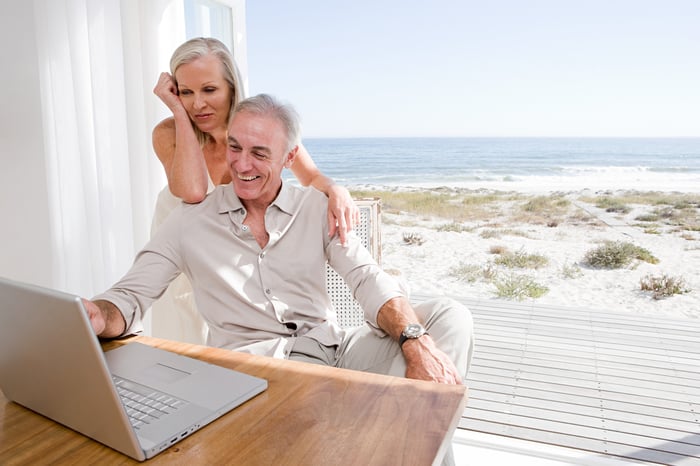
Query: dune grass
{"points": [[663, 286], [519, 287], [617, 254], [678, 210], [503, 214], [454, 206]]}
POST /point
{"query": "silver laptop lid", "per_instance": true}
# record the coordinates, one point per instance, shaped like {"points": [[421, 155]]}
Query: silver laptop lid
{"points": [[52, 363]]}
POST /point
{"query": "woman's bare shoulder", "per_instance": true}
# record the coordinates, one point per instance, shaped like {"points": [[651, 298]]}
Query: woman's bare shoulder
{"points": [[164, 128], [163, 137]]}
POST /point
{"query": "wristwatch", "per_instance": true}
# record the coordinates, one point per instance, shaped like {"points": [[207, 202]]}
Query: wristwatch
{"points": [[412, 331]]}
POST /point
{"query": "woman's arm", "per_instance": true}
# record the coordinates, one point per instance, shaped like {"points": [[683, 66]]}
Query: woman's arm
{"points": [[177, 147], [343, 214]]}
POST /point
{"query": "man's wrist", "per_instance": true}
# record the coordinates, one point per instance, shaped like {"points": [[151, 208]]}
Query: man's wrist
{"points": [[412, 331]]}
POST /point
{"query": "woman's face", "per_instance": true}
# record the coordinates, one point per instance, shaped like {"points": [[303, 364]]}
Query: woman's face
{"points": [[204, 92]]}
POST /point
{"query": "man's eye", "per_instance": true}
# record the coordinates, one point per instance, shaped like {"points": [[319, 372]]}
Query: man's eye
{"points": [[260, 155], [233, 148]]}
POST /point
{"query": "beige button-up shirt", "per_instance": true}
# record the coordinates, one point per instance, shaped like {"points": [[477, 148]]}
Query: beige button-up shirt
{"points": [[254, 299]]}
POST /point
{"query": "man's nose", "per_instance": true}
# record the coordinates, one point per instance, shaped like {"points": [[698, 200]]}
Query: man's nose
{"points": [[242, 162]]}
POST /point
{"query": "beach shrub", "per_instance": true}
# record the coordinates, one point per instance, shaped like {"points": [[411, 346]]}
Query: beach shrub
{"points": [[521, 260], [663, 286], [611, 204], [519, 287], [544, 210], [571, 270], [467, 272], [546, 204], [413, 238], [617, 254], [498, 249], [647, 218], [453, 226], [498, 232], [490, 271]]}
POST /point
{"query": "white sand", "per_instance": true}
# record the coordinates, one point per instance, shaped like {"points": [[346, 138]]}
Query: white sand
{"points": [[427, 267]]}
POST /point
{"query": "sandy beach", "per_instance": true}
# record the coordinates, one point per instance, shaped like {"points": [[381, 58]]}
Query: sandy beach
{"points": [[429, 256]]}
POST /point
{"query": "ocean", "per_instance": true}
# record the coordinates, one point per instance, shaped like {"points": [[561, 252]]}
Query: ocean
{"points": [[517, 164]]}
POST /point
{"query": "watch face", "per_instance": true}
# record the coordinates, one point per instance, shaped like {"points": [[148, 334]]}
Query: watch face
{"points": [[413, 331]]}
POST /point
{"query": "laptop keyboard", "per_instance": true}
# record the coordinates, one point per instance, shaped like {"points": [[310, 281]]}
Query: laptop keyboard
{"points": [[143, 404]]}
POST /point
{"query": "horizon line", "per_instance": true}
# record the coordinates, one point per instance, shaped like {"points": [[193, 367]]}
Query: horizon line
{"points": [[501, 137]]}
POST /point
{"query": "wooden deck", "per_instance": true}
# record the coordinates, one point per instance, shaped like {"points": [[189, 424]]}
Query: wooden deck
{"points": [[609, 383]]}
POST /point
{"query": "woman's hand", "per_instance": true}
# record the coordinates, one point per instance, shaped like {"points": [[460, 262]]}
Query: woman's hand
{"points": [[166, 90], [343, 214]]}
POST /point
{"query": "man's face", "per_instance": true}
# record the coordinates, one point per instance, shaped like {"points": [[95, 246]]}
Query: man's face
{"points": [[257, 154]]}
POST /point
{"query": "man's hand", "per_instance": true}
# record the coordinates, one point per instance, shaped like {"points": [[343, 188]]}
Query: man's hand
{"points": [[424, 361], [105, 318], [97, 319]]}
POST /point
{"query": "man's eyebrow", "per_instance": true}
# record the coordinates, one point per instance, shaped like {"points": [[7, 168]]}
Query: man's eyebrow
{"points": [[262, 149], [232, 140]]}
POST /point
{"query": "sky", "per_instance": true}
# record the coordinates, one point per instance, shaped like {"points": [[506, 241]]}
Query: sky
{"points": [[480, 68]]}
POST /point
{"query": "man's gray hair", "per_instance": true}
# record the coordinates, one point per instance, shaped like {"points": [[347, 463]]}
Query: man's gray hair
{"points": [[266, 105]]}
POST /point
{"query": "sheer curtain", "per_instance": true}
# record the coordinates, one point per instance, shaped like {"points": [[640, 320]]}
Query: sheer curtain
{"points": [[98, 61]]}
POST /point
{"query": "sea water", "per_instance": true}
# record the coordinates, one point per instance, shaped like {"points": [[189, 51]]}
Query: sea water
{"points": [[518, 164]]}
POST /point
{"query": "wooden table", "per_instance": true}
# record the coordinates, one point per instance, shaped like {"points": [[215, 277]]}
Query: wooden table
{"points": [[310, 415]]}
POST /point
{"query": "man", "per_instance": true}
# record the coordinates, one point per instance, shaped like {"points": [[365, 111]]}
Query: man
{"points": [[255, 252]]}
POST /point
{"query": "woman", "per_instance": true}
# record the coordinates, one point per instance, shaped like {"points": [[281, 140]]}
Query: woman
{"points": [[191, 145], [200, 91]]}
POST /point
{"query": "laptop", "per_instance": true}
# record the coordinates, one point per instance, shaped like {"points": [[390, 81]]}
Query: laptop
{"points": [[51, 362]]}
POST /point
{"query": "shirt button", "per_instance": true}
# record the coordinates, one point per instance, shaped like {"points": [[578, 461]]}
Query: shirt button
{"points": [[262, 254], [267, 291], [244, 228]]}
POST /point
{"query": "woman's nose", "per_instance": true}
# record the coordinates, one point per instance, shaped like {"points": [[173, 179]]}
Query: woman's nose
{"points": [[199, 101]]}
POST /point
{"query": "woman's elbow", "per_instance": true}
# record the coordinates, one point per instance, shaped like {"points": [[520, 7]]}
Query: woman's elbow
{"points": [[191, 196]]}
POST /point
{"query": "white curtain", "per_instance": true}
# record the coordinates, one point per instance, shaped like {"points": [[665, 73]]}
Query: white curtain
{"points": [[98, 61]]}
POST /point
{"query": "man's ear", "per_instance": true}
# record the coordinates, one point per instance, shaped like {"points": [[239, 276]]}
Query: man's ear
{"points": [[291, 156]]}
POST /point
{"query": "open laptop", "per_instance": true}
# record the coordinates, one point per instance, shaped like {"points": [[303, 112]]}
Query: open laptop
{"points": [[51, 362]]}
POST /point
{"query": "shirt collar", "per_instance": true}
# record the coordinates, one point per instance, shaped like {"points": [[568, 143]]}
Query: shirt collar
{"points": [[229, 202]]}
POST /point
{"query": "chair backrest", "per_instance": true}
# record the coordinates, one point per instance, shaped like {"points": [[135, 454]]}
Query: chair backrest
{"points": [[349, 312]]}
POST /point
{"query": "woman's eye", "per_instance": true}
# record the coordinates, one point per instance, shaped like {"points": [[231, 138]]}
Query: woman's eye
{"points": [[185, 92], [209, 89]]}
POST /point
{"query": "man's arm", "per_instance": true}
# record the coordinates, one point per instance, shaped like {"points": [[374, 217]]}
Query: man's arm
{"points": [[106, 319], [424, 361]]}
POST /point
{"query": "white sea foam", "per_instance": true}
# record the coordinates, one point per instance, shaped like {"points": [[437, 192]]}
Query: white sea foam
{"points": [[525, 165]]}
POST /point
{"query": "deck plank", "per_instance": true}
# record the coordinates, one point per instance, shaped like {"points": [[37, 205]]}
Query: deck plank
{"points": [[610, 383]]}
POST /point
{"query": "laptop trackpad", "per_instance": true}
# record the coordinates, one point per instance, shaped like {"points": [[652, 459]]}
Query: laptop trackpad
{"points": [[164, 374]]}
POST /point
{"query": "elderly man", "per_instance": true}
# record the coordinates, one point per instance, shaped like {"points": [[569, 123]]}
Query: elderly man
{"points": [[255, 252]]}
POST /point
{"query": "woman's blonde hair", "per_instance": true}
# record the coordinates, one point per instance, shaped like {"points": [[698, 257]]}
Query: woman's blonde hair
{"points": [[198, 48]]}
